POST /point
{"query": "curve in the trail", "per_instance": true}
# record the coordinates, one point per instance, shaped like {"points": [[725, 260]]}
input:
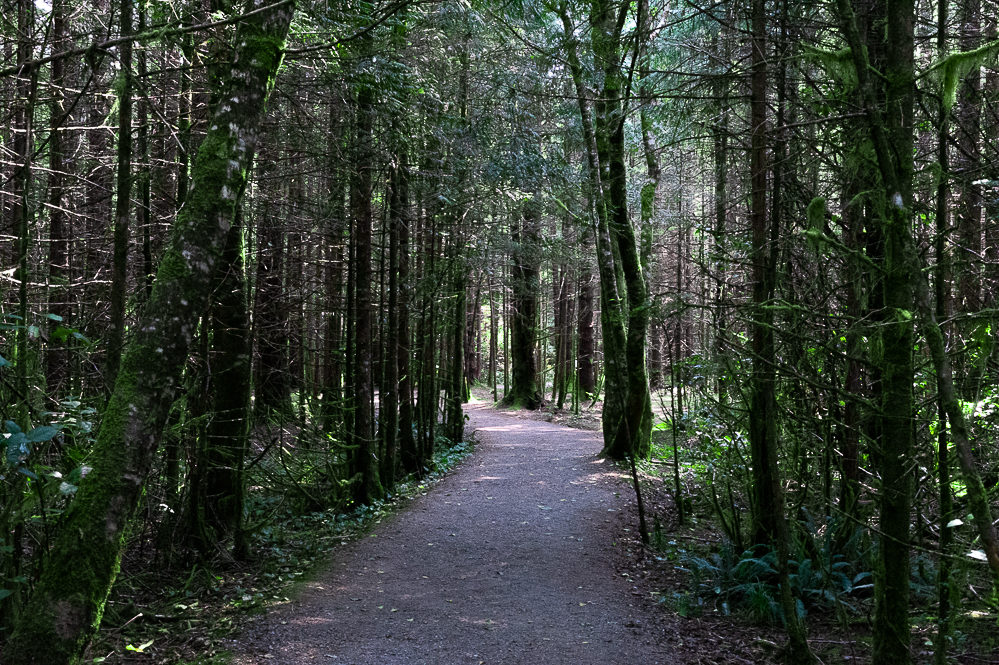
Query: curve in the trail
{"points": [[510, 559]]}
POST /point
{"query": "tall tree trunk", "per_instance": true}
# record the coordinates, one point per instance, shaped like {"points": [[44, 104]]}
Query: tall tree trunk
{"points": [[945, 591], [388, 407], [68, 600], [144, 216], [218, 509], [524, 281], [632, 430], [123, 197], [769, 521], [404, 362], [719, 261], [364, 460], [967, 173], [494, 316], [890, 128], [852, 417], [585, 376], [612, 323], [454, 418], [21, 213], [56, 360], [271, 325]]}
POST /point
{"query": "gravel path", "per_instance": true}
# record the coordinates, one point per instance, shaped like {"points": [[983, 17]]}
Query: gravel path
{"points": [[510, 559]]}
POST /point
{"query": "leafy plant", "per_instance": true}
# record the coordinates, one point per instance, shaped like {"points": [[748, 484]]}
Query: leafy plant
{"points": [[19, 445], [746, 583], [749, 583]]}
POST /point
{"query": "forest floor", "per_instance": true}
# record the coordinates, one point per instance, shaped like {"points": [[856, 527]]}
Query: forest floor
{"points": [[527, 553], [520, 556]]}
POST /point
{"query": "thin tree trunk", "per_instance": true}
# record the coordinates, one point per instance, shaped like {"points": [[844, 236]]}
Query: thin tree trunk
{"points": [[769, 521], [219, 508], [364, 466], [585, 377], [57, 359], [145, 180], [407, 444], [454, 418], [967, 174], [942, 288], [21, 213], [388, 409], [493, 335], [123, 197]]}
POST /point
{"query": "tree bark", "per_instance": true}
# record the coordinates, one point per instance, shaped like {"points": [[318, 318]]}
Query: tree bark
{"points": [[271, 313], [407, 443], [890, 129], [585, 375], [123, 197], [967, 169], [21, 213], [223, 449], [68, 601], [57, 358], [364, 456], [632, 429], [611, 319], [769, 520], [524, 280]]}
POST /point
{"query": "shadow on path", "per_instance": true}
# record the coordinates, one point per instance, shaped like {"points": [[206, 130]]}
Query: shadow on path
{"points": [[510, 559]]}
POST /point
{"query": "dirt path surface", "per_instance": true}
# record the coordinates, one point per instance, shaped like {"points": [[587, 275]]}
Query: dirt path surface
{"points": [[511, 559]]}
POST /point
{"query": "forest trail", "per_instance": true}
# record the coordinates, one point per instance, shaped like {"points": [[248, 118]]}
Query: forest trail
{"points": [[511, 559]]}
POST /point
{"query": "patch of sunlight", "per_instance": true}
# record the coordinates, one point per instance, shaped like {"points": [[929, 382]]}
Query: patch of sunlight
{"points": [[500, 428]]}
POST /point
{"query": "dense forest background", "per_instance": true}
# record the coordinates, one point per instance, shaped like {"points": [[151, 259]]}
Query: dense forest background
{"points": [[255, 257]]}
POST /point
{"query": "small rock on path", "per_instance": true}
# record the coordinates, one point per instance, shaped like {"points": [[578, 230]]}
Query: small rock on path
{"points": [[510, 559]]}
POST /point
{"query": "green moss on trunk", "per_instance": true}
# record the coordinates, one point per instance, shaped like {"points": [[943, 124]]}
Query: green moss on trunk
{"points": [[68, 602]]}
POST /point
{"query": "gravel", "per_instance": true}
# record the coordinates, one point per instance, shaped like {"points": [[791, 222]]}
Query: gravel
{"points": [[513, 558]]}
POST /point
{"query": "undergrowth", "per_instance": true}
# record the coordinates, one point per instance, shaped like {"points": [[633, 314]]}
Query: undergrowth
{"points": [[183, 614]]}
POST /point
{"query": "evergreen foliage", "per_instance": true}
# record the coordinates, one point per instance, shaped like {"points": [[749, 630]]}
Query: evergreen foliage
{"points": [[759, 239]]}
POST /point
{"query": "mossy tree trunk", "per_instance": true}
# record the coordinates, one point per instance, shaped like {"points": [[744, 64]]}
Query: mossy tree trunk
{"points": [[68, 600], [631, 430], [611, 318], [890, 130]]}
